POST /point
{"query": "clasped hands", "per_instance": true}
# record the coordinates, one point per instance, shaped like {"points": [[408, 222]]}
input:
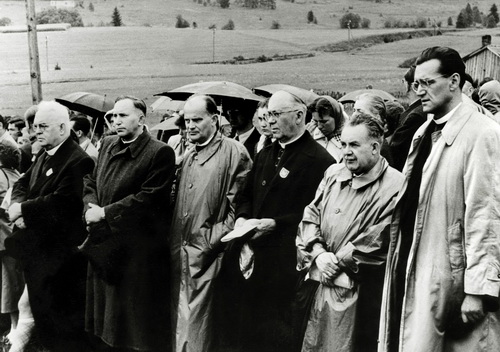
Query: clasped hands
{"points": [[16, 215], [327, 264], [94, 214], [263, 226]]}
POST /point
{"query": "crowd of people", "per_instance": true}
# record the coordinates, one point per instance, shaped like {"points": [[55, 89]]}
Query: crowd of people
{"points": [[312, 229]]}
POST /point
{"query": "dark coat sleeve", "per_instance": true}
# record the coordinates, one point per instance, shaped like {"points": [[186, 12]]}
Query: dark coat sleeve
{"points": [[58, 206], [401, 140], [155, 189]]}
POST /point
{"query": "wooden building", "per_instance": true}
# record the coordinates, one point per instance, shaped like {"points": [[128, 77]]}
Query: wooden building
{"points": [[483, 62]]}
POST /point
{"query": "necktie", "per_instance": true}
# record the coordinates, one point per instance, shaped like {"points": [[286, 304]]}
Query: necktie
{"points": [[267, 142], [43, 161], [237, 138]]}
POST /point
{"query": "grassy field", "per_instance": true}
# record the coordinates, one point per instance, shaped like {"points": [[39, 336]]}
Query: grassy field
{"points": [[290, 15], [144, 61]]}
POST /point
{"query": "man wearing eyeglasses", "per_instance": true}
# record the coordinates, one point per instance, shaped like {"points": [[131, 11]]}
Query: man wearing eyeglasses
{"points": [[443, 274], [47, 211], [282, 182]]}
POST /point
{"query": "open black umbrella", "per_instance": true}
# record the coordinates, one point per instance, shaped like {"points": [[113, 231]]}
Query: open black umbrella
{"points": [[219, 90], [90, 104]]}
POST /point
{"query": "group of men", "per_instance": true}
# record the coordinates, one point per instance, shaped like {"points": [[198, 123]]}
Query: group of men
{"points": [[308, 272]]}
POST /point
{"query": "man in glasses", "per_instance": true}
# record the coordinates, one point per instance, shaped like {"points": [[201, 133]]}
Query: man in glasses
{"points": [[443, 269], [282, 182], [47, 212]]}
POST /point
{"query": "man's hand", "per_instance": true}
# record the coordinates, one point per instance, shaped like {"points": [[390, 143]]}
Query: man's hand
{"points": [[472, 309], [327, 265], [20, 223], [239, 222], [264, 227], [94, 214], [15, 211]]}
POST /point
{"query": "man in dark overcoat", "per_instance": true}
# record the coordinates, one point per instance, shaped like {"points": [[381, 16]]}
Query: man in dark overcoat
{"points": [[127, 211], [47, 209], [282, 182]]}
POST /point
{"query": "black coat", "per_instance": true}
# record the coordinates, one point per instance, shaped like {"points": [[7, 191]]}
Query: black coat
{"points": [[281, 193], [51, 204], [411, 120], [251, 143]]}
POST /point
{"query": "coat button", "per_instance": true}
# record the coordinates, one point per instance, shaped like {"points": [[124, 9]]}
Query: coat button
{"points": [[190, 185], [337, 211], [264, 183], [184, 243], [185, 214]]}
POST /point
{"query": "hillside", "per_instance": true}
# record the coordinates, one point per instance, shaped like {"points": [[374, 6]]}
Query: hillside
{"points": [[289, 15]]}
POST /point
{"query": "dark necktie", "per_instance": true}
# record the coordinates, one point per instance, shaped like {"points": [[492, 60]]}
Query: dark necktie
{"points": [[267, 141], [407, 221], [237, 138], [43, 161]]}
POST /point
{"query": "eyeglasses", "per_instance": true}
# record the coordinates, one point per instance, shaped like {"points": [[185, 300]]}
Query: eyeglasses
{"points": [[277, 114], [425, 83], [43, 126]]}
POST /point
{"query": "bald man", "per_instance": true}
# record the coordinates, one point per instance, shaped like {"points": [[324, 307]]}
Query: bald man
{"points": [[47, 211], [282, 182]]}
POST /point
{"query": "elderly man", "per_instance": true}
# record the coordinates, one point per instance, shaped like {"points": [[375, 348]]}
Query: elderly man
{"points": [[282, 182], [442, 282], [347, 261], [46, 208], [211, 178], [127, 206]]}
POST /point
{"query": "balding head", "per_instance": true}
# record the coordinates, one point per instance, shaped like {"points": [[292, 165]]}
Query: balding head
{"points": [[51, 124], [200, 114], [287, 116]]}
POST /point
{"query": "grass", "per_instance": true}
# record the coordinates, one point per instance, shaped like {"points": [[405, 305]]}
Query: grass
{"points": [[144, 61]]}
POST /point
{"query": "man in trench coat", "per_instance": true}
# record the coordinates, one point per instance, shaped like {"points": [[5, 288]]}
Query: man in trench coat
{"points": [[211, 179], [442, 284], [127, 202]]}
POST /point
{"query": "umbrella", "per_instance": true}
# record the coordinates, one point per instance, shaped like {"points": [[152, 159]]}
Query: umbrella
{"points": [[165, 104], [307, 96], [352, 96], [90, 104], [169, 125], [217, 89]]}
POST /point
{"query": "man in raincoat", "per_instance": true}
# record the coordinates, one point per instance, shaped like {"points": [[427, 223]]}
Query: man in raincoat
{"points": [[342, 242], [211, 178], [443, 273]]}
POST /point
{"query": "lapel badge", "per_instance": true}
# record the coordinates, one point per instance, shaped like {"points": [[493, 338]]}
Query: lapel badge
{"points": [[49, 172], [284, 172]]}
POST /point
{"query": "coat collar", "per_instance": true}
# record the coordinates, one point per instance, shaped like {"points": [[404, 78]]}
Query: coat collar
{"points": [[365, 179], [206, 153], [135, 147]]}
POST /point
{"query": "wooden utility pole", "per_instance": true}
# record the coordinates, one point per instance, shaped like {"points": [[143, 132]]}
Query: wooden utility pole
{"points": [[36, 81]]}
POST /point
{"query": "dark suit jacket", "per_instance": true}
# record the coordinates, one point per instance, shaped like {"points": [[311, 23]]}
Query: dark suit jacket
{"points": [[51, 204], [411, 120], [251, 143]]}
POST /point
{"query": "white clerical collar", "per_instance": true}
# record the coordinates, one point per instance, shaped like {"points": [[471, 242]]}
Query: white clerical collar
{"points": [[244, 136], [207, 141], [446, 117], [283, 145], [133, 140], [52, 151]]}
